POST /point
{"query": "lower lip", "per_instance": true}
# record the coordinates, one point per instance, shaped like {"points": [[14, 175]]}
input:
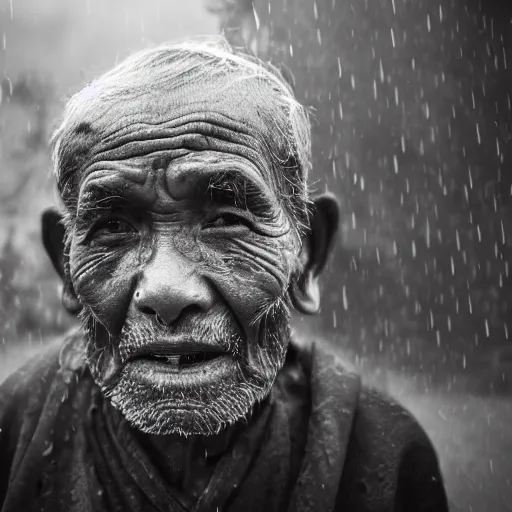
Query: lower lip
{"points": [[154, 372]]}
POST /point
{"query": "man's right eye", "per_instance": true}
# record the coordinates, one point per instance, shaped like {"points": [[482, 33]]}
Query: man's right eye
{"points": [[112, 227]]}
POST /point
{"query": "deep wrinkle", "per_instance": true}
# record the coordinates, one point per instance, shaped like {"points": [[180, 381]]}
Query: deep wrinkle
{"points": [[213, 214], [182, 176], [185, 207], [150, 188]]}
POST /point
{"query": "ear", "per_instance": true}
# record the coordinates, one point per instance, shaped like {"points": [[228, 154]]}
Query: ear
{"points": [[53, 233], [316, 248]]}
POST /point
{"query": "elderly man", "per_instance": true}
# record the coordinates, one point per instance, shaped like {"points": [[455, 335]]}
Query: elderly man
{"points": [[186, 238]]}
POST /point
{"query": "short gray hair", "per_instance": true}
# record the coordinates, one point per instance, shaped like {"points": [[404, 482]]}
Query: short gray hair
{"points": [[194, 60]]}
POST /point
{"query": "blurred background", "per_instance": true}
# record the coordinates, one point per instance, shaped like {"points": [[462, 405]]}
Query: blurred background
{"points": [[412, 129]]}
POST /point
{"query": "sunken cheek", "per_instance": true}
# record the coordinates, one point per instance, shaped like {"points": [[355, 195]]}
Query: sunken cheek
{"points": [[102, 277], [257, 272]]}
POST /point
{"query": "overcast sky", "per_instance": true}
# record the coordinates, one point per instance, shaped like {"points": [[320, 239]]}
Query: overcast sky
{"points": [[74, 40]]}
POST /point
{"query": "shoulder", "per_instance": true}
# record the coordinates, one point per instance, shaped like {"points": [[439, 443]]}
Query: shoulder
{"points": [[33, 391], [34, 378], [376, 414], [28, 382], [380, 415], [390, 459], [390, 462]]}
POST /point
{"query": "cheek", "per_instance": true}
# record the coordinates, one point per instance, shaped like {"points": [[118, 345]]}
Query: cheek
{"points": [[103, 279], [257, 276], [266, 265], [262, 262]]}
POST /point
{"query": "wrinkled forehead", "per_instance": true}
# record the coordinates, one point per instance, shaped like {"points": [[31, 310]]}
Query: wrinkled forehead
{"points": [[228, 113]]}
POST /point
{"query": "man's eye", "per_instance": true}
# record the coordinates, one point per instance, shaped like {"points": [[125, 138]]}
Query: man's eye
{"points": [[226, 220], [113, 227]]}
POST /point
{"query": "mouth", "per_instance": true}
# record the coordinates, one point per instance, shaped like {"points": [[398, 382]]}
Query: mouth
{"points": [[181, 361], [182, 369], [179, 356]]}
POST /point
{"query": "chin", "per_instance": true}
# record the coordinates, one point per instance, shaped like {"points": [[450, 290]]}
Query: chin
{"points": [[154, 406], [159, 392]]}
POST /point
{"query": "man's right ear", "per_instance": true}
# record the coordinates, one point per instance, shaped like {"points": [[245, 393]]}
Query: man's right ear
{"points": [[54, 232]]}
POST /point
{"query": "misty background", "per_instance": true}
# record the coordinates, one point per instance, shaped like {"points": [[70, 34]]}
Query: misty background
{"points": [[412, 129]]}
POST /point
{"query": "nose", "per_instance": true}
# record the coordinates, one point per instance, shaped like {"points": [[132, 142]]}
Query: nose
{"points": [[169, 287]]}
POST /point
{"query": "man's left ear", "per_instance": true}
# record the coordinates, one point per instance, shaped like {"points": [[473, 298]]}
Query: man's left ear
{"points": [[316, 248]]}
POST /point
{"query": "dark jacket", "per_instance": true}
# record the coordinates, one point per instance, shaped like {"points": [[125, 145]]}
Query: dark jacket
{"points": [[322, 442]]}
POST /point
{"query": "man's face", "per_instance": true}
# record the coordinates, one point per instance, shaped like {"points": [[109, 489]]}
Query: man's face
{"points": [[182, 260]]}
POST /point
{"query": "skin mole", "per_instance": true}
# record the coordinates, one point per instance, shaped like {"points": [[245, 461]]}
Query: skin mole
{"points": [[83, 129]]}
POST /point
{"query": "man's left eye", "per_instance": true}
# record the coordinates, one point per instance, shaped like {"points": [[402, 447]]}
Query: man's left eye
{"points": [[226, 220]]}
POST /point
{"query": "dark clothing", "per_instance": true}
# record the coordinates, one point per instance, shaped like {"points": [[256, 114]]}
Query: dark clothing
{"points": [[321, 442]]}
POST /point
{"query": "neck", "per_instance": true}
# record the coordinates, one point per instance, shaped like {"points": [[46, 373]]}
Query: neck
{"points": [[187, 462]]}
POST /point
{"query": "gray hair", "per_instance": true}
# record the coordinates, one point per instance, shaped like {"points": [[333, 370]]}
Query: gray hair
{"points": [[156, 68]]}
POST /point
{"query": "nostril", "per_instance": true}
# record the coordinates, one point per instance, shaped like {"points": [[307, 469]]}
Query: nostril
{"points": [[165, 306], [160, 320], [147, 310]]}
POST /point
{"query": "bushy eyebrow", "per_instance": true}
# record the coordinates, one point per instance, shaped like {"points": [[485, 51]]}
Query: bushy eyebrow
{"points": [[99, 198], [231, 188]]}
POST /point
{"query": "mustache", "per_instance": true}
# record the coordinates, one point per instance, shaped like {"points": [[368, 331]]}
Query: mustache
{"points": [[219, 331]]}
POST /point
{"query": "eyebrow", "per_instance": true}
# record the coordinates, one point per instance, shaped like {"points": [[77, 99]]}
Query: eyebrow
{"points": [[101, 197], [233, 188]]}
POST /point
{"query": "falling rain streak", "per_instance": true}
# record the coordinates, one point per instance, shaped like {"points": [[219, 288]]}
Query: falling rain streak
{"points": [[416, 148], [412, 129]]}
